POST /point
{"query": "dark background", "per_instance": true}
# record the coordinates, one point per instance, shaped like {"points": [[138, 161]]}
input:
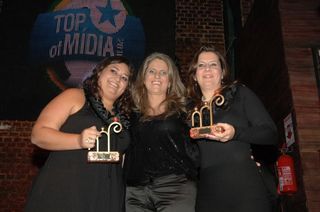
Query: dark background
{"points": [[25, 88]]}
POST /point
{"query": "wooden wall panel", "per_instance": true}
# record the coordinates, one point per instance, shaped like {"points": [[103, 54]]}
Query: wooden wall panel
{"points": [[301, 32]]}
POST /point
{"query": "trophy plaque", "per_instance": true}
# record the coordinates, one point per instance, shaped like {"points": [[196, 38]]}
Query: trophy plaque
{"points": [[199, 131], [106, 156]]}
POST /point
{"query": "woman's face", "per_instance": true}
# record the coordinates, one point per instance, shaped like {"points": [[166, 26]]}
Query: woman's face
{"points": [[157, 78], [113, 81], [209, 72]]}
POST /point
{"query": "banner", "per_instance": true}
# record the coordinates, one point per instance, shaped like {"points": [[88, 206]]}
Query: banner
{"points": [[70, 39], [48, 46]]}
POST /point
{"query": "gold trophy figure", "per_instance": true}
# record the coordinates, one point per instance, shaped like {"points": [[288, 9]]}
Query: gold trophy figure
{"points": [[106, 156], [200, 131]]}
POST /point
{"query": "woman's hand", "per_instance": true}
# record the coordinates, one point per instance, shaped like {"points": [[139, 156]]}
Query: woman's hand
{"points": [[88, 137], [222, 132]]}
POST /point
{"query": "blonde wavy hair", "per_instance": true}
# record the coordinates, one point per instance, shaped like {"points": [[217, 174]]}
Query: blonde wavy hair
{"points": [[176, 95]]}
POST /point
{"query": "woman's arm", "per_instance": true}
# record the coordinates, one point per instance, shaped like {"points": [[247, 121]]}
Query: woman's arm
{"points": [[261, 129], [46, 131]]}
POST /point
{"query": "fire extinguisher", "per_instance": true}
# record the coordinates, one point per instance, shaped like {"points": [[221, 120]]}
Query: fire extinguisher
{"points": [[286, 174]]}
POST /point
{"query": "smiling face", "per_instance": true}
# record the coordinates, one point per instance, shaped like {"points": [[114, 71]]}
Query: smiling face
{"points": [[209, 72], [157, 78], [113, 81]]}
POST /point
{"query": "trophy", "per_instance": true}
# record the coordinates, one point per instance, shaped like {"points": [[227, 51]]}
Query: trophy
{"points": [[200, 131], [106, 156]]}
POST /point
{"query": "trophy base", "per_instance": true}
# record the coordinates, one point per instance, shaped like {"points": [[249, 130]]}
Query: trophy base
{"points": [[199, 132], [103, 157]]}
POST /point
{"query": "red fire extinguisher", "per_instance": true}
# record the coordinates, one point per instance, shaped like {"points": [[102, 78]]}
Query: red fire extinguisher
{"points": [[286, 174]]}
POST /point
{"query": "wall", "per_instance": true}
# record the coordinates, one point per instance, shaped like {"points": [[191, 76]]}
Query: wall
{"points": [[16, 165], [198, 22], [276, 62], [301, 31], [265, 72]]}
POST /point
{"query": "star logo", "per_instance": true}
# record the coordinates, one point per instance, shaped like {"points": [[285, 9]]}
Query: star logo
{"points": [[108, 14]]}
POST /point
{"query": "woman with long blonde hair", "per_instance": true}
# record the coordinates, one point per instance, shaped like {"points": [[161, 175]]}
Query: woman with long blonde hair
{"points": [[160, 174]]}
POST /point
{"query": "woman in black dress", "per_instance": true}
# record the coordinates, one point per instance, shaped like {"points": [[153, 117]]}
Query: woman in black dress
{"points": [[68, 126], [229, 180], [160, 174]]}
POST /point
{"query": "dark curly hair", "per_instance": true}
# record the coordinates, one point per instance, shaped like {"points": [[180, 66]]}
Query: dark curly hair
{"points": [[124, 103]]}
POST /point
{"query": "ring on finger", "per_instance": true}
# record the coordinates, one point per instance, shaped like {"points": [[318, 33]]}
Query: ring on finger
{"points": [[89, 140]]}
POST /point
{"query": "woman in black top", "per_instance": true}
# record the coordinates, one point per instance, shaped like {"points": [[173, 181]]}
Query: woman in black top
{"points": [[160, 175], [68, 126], [229, 180]]}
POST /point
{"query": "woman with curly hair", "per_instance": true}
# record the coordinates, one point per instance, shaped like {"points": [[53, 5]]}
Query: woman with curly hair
{"points": [[68, 126]]}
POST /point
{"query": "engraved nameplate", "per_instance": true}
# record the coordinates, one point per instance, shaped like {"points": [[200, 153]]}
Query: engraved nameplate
{"points": [[111, 157]]}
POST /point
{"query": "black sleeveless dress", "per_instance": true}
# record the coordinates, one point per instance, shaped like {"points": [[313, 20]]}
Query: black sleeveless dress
{"points": [[67, 182]]}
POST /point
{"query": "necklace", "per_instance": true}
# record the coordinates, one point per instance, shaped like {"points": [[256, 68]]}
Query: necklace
{"points": [[203, 99], [98, 107], [105, 115]]}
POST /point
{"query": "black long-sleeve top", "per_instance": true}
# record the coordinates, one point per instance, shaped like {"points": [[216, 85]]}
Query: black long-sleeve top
{"points": [[253, 125], [229, 179], [159, 148]]}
